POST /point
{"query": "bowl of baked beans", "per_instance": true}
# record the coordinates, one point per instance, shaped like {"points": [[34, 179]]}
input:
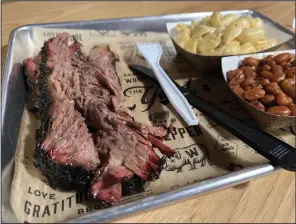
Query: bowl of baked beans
{"points": [[265, 85]]}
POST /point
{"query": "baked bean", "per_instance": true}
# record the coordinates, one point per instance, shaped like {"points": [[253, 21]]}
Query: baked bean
{"points": [[273, 88], [258, 105], [249, 72], [278, 77], [288, 86], [265, 68], [249, 61], [287, 82], [264, 82], [267, 61], [292, 107], [266, 74], [239, 91], [268, 100], [247, 68], [287, 66], [247, 82], [291, 81], [256, 85], [283, 57], [293, 63], [290, 72], [237, 79], [292, 57], [284, 84], [248, 87], [291, 91], [254, 94], [283, 100], [283, 64], [269, 57], [279, 110], [276, 69], [232, 73]]}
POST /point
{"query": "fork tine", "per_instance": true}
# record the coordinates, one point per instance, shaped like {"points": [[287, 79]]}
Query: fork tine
{"points": [[151, 52]]}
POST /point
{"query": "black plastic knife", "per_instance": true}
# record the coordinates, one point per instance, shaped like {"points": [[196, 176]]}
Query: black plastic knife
{"points": [[276, 151]]}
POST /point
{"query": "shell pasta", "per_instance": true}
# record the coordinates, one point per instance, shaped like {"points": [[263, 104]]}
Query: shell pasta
{"points": [[223, 35]]}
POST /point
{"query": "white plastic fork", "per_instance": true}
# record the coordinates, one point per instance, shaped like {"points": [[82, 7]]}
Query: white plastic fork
{"points": [[152, 53]]}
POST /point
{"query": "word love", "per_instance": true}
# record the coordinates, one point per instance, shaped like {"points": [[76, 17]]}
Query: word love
{"points": [[38, 193]]}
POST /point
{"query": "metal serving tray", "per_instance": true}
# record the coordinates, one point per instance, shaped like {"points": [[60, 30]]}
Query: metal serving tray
{"points": [[13, 102]]}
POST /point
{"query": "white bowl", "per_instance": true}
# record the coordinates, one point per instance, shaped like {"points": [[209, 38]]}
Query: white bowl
{"points": [[265, 120]]}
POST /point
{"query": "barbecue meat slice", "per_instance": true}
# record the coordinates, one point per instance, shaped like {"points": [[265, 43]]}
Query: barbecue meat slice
{"points": [[67, 139], [104, 59], [92, 86], [99, 83], [65, 150], [129, 147], [70, 90]]}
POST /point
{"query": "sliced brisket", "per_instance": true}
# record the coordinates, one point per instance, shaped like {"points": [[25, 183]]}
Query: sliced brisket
{"points": [[65, 151], [69, 90], [104, 59]]}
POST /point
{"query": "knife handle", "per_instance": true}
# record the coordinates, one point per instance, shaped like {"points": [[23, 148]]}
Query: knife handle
{"points": [[275, 150]]}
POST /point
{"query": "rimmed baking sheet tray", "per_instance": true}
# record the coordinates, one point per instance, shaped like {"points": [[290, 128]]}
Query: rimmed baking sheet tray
{"points": [[13, 102]]}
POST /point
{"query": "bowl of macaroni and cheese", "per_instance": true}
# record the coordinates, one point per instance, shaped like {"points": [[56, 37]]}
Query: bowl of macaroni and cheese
{"points": [[205, 42]]}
